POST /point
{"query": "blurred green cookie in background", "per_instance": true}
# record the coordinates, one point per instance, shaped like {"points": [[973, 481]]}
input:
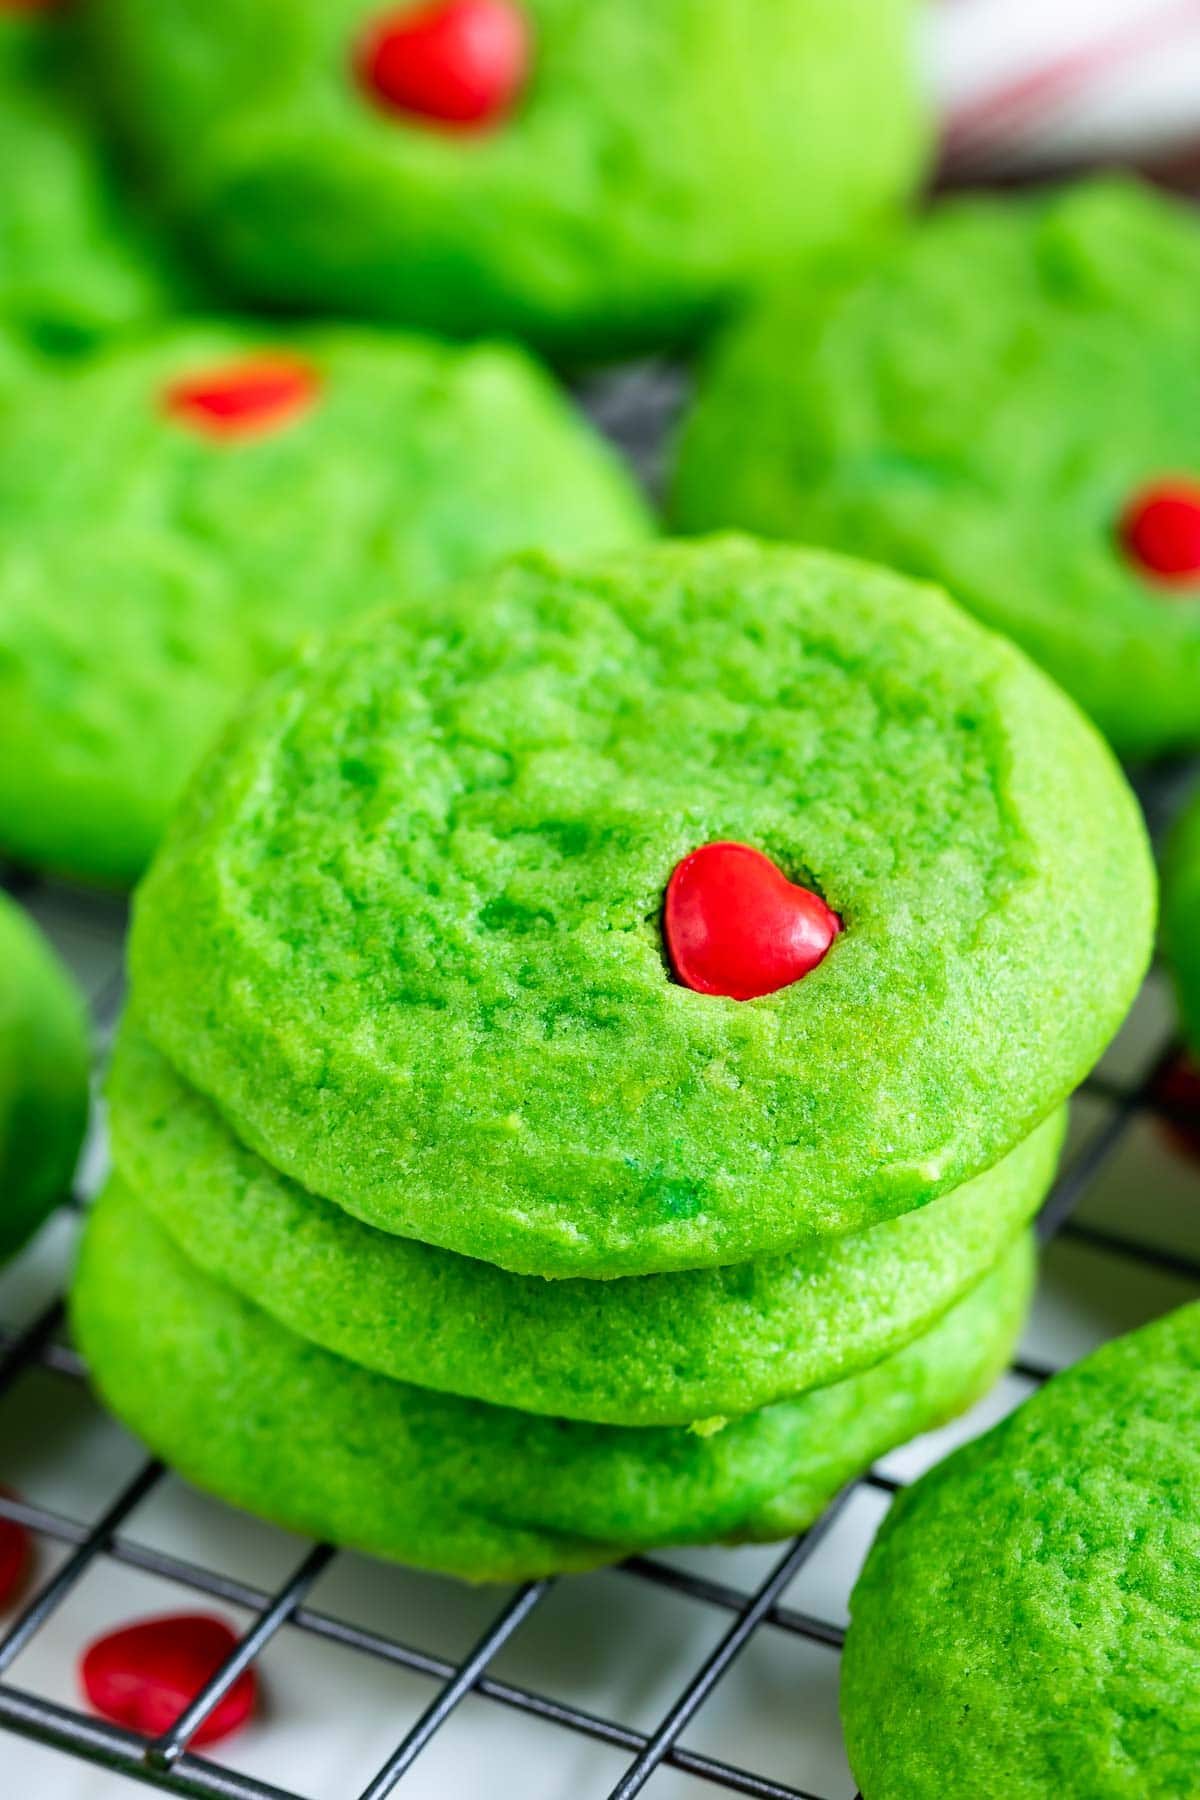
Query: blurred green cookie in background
{"points": [[600, 179], [176, 515], [651, 1350], [43, 1078], [269, 1421], [1007, 401], [406, 933], [74, 265], [16, 356], [1028, 1621]]}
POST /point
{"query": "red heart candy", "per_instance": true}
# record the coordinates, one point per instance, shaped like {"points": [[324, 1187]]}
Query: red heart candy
{"points": [[245, 398], [461, 63], [145, 1675], [1161, 531], [735, 925], [16, 1555]]}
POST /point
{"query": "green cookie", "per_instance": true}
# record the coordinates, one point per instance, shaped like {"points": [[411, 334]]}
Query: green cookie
{"points": [[268, 1421], [654, 1350], [1028, 1622], [158, 559], [16, 356], [405, 933], [72, 266], [982, 405], [1181, 917], [659, 160], [43, 1079]]}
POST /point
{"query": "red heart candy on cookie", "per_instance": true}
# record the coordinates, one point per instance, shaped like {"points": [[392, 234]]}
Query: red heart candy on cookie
{"points": [[460, 63], [1161, 530], [244, 398], [735, 925]]}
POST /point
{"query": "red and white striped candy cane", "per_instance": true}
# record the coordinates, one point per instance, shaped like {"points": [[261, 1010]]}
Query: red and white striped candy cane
{"points": [[1028, 84]]}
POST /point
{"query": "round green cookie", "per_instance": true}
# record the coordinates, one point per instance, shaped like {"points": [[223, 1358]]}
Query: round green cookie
{"points": [[651, 1350], [43, 1079], [1028, 1622], [981, 405], [72, 265], [405, 933], [1181, 917], [157, 561], [659, 161], [268, 1421]]}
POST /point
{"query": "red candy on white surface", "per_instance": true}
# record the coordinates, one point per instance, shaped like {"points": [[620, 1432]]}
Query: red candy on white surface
{"points": [[458, 63], [145, 1675], [243, 399], [1161, 531], [735, 925]]}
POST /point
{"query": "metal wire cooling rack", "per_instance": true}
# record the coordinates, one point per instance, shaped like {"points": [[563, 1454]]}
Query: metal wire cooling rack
{"points": [[679, 1674]]}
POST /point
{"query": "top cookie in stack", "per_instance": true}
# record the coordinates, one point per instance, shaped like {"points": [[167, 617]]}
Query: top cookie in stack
{"points": [[407, 933]]}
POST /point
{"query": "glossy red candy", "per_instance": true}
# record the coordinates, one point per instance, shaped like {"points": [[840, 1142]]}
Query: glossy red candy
{"points": [[457, 63], [1161, 530], [735, 925], [145, 1675], [16, 1554], [243, 399]]}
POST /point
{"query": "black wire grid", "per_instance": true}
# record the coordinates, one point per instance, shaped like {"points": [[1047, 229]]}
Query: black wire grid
{"points": [[169, 1766]]}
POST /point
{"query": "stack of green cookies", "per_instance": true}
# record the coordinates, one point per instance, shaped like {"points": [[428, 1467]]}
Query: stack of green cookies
{"points": [[461, 1212]]}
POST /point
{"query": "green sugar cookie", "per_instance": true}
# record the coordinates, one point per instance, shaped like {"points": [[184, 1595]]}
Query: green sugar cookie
{"points": [[270, 1422], [1181, 917], [177, 515], [993, 403], [15, 358], [639, 167], [651, 1350], [73, 267], [43, 1078], [405, 932], [1028, 1622]]}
